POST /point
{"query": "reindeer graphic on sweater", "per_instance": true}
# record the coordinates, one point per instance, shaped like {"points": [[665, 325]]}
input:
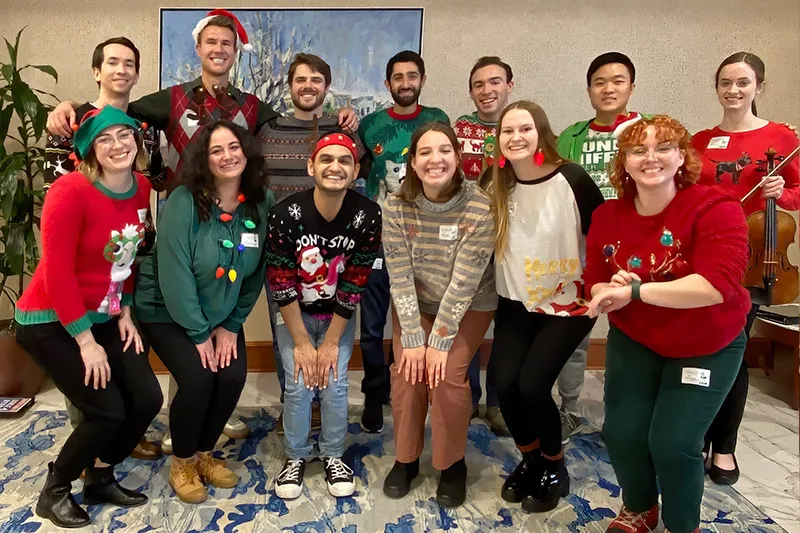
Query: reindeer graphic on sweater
{"points": [[120, 251]]}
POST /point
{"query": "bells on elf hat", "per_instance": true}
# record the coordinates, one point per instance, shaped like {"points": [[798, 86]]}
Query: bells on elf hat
{"points": [[94, 122]]}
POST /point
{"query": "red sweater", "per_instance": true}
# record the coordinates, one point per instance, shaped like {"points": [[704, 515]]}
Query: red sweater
{"points": [[702, 231], [729, 160], [89, 237]]}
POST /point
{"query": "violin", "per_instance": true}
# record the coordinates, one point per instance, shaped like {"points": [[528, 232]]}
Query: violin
{"points": [[770, 278]]}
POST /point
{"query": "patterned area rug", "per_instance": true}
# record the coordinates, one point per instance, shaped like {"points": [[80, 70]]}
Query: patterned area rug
{"points": [[29, 442]]}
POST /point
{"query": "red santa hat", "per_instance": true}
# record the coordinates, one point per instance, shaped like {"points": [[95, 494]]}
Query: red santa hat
{"points": [[308, 251], [246, 46]]}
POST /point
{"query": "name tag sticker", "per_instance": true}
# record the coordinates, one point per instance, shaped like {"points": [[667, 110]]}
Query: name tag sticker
{"points": [[696, 376], [378, 264], [448, 233], [250, 240], [142, 214], [718, 142]]}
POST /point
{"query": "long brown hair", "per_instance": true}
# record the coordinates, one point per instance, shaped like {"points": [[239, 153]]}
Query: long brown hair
{"points": [[667, 130], [92, 169], [412, 185], [504, 179], [752, 61]]}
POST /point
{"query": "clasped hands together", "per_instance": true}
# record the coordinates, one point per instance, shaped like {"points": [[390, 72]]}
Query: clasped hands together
{"points": [[615, 295], [316, 363], [218, 349], [423, 364]]}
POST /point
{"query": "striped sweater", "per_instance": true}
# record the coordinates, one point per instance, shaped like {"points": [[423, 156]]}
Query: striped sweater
{"points": [[437, 256]]}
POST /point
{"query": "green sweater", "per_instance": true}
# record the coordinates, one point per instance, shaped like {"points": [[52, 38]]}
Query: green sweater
{"points": [[179, 282]]}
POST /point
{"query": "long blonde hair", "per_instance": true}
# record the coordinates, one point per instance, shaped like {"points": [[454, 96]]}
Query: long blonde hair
{"points": [[504, 179]]}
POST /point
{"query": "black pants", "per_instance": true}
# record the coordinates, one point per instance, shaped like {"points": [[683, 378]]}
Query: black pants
{"points": [[114, 418], [530, 351], [722, 435], [205, 399], [374, 308]]}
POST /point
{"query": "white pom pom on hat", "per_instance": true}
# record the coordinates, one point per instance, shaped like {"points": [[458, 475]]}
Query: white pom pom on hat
{"points": [[241, 34]]}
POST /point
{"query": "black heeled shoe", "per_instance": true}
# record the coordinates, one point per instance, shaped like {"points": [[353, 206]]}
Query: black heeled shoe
{"points": [[724, 477], [56, 503], [398, 481], [548, 487], [102, 487], [514, 489], [452, 490]]}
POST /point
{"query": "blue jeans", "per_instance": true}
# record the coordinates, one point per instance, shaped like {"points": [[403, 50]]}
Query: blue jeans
{"points": [[474, 373], [297, 404], [274, 313], [374, 308]]}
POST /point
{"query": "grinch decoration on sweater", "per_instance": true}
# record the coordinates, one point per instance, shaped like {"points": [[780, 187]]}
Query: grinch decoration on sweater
{"points": [[324, 265]]}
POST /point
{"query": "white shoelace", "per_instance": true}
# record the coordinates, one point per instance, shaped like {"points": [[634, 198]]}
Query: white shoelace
{"points": [[291, 472], [629, 518], [338, 468]]}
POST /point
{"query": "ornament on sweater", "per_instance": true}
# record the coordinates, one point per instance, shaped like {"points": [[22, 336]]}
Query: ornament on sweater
{"points": [[317, 279], [672, 265], [120, 251]]}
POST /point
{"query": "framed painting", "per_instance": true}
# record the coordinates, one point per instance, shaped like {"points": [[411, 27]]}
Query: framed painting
{"points": [[356, 43]]}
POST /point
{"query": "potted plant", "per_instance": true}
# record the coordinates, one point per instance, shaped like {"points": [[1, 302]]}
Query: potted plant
{"points": [[22, 124]]}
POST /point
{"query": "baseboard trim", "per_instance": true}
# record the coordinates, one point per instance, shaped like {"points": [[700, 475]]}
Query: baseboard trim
{"points": [[260, 356]]}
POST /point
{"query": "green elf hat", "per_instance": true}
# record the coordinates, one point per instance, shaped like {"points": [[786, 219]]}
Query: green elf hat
{"points": [[94, 122]]}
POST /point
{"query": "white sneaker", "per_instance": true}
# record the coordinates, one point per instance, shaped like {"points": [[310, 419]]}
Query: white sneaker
{"points": [[339, 477], [235, 428], [166, 444], [289, 483]]}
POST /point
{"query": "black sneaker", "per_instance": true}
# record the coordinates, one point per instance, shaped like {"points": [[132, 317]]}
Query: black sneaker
{"points": [[452, 490], [289, 483], [372, 417], [398, 481], [339, 477]]}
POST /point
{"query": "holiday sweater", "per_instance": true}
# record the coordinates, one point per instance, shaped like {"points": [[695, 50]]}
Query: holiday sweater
{"points": [[542, 264], [593, 147], [287, 144], [203, 274], [323, 265], [387, 136], [58, 150], [478, 142], [731, 161], [437, 256], [90, 237], [184, 110], [701, 231]]}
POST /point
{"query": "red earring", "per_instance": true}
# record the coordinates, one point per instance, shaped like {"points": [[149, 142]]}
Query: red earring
{"points": [[538, 157], [502, 162]]}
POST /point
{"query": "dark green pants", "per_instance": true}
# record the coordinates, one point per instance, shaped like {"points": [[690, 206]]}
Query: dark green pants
{"points": [[655, 424]]}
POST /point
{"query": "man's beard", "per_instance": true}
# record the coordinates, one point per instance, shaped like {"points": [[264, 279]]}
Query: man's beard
{"points": [[405, 100], [318, 101]]}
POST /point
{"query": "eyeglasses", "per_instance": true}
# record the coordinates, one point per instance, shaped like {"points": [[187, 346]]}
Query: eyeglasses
{"points": [[640, 152], [108, 140]]}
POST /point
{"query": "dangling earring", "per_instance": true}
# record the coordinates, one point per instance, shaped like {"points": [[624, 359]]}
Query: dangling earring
{"points": [[501, 162], [679, 177], [538, 157]]}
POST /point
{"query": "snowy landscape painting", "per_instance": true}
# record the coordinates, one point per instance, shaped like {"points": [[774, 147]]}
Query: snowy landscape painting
{"points": [[356, 43]]}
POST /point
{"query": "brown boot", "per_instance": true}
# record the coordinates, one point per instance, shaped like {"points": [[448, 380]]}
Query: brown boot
{"points": [[184, 480], [214, 472], [146, 450]]}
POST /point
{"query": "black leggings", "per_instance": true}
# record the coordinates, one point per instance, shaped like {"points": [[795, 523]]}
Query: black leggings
{"points": [[529, 351], [205, 399], [114, 418], [721, 436]]}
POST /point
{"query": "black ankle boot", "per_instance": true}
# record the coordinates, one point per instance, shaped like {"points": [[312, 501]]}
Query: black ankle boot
{"points": [[550, 484], [102, 487], [56, 503], [398, 482], [514, 489], [452, 489]]}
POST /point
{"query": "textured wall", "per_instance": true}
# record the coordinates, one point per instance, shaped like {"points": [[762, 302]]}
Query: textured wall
{"points": [[676, 47]]}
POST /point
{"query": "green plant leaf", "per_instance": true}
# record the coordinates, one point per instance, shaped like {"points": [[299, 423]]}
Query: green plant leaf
{"points": [[40, 123], [47, 94], [8, 73], [31, 251], [26, 102], [47, 69], [5, 119], [9, 171], [12, 53], [15, 247]]}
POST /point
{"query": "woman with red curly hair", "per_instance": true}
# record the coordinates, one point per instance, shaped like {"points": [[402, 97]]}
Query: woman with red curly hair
{"points": [[664, 262]]}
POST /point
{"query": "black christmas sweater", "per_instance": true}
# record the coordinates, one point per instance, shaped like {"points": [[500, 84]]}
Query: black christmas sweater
{"points": [[322, 264]]}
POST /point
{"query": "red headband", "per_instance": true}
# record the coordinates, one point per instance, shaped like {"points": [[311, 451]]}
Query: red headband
{"points": [[336, 139]]}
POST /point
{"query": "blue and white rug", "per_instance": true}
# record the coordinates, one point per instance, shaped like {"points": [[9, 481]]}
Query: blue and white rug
{"points": [[29, 442]]}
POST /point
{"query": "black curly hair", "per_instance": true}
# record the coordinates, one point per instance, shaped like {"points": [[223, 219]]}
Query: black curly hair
{"points": [[197, 177]]}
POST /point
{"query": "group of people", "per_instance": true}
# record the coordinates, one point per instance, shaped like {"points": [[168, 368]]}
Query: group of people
{"points": [[493, 218]]}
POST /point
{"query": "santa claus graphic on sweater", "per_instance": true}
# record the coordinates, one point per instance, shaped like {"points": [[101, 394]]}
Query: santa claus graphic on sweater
{"points": [[318, 279]]}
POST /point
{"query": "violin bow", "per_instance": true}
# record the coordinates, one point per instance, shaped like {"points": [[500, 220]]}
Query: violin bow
{"points": [[774, 171]]}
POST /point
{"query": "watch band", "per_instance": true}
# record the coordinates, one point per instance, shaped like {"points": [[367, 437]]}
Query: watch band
{"points": [[635, 286]]}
